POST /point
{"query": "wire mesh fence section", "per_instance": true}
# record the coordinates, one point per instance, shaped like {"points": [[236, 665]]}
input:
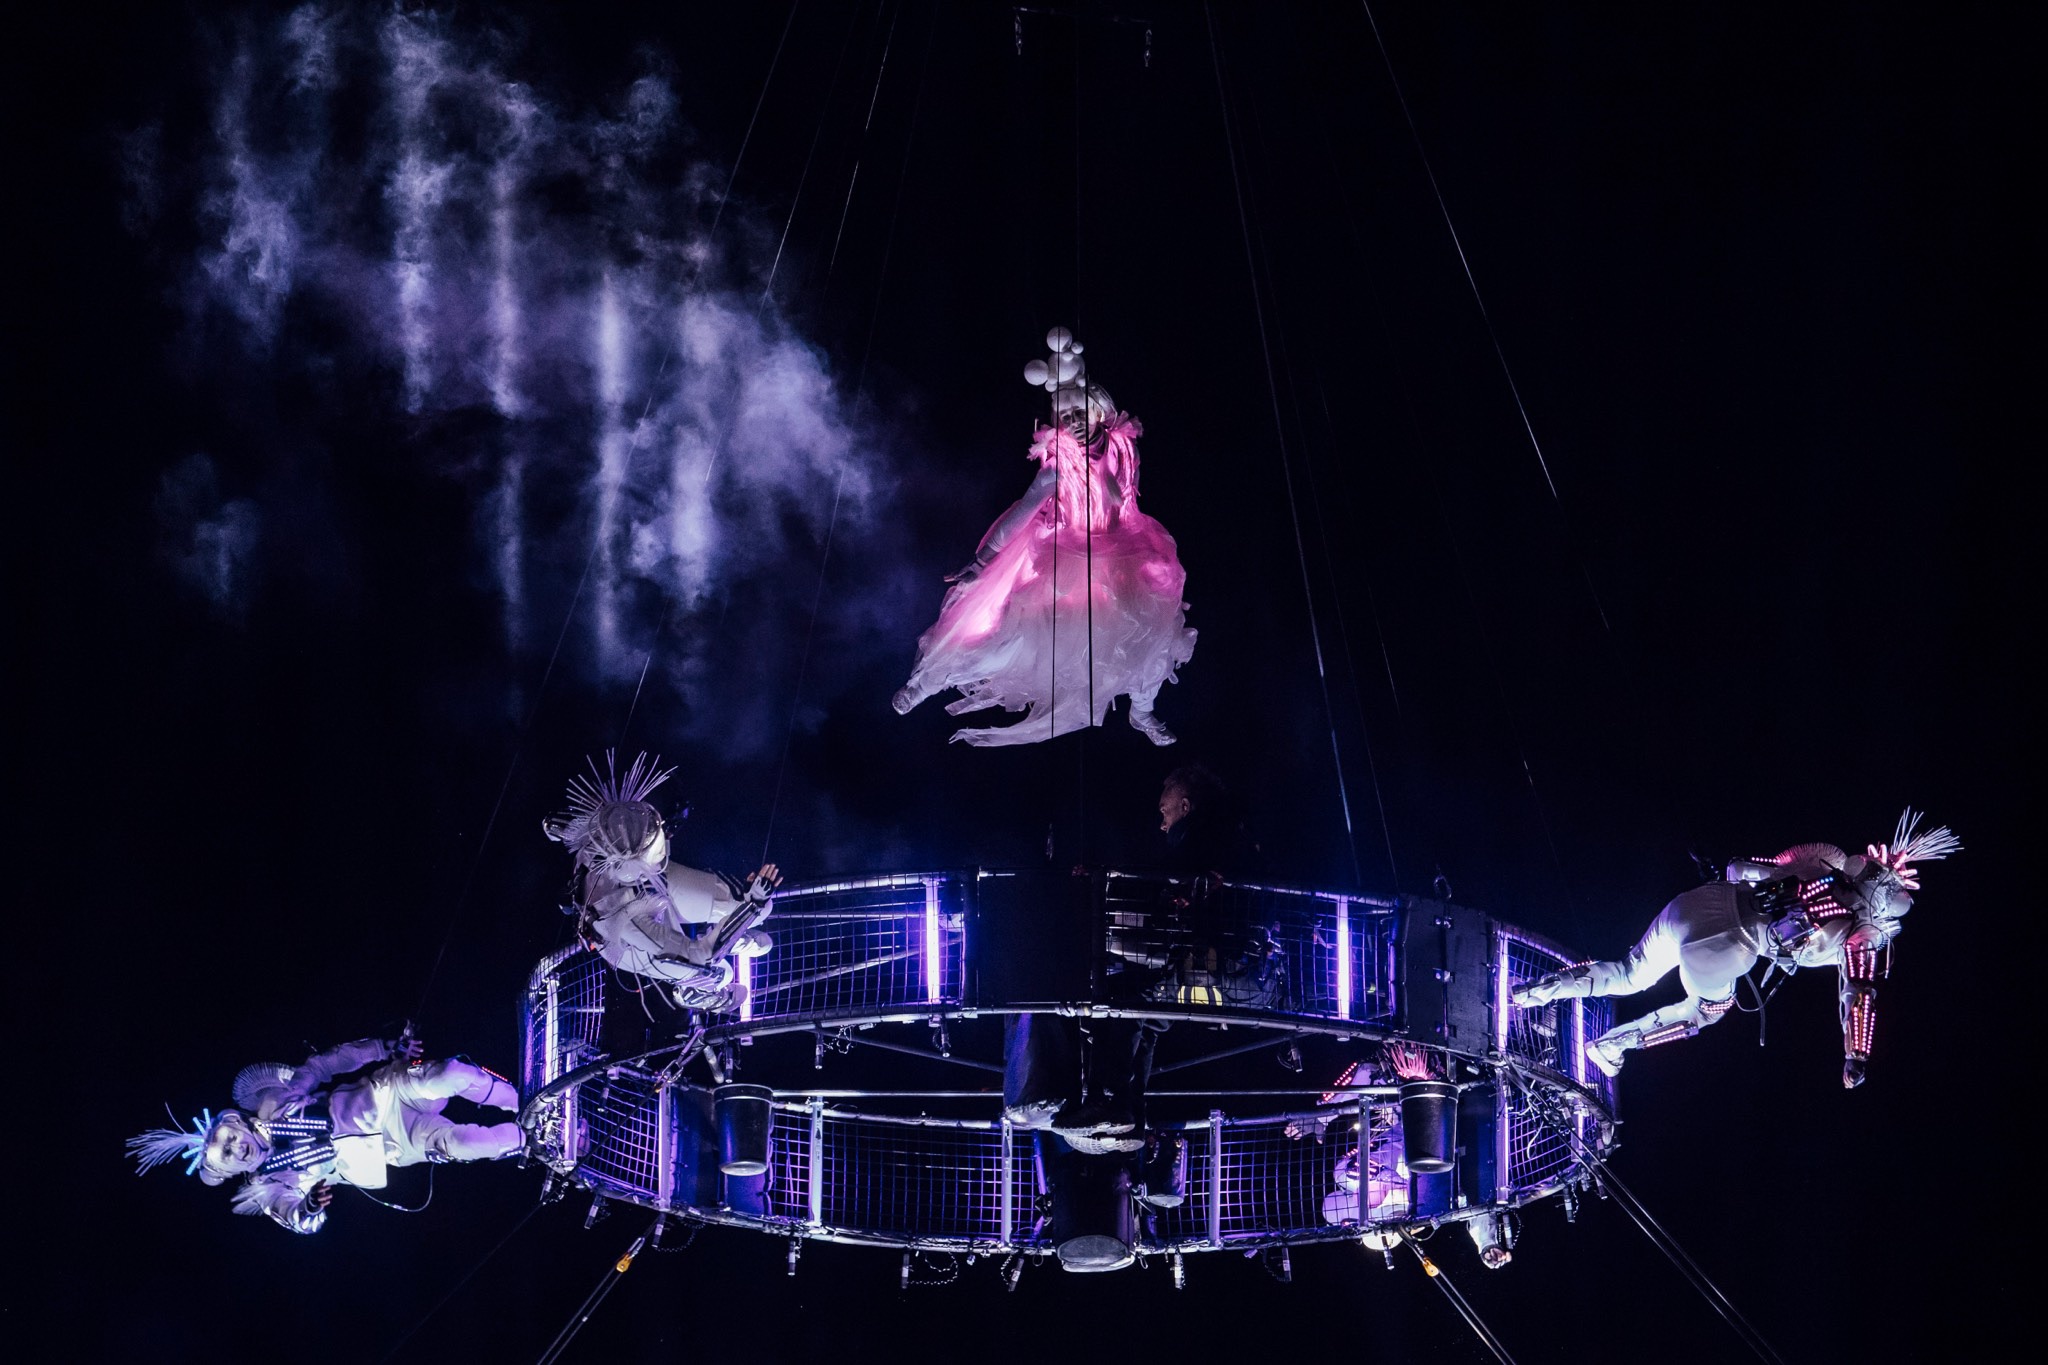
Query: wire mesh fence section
{"points": [[1273, 1185], [623, 1150], [1545, 1034], [1538, 1154], [561, 1016], [789, 1165], [863, 945], [913, 1181]]}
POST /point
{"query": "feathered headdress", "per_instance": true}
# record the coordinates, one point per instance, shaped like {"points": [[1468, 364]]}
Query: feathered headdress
{"points": [[582, 826], [160, 1145], [1910, 844]]}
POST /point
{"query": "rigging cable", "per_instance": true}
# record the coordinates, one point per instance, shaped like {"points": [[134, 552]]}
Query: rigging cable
{"points": [[457, 1288], [1452, 228], [803, 177], [590, 561], [1280, 438], [859, 395], [610, 1281], [1458, 1300], [1308, 469], [881, 68], [1644, 1220]]}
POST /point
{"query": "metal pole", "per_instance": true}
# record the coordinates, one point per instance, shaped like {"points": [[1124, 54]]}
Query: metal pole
{"points": [[1215, 1177], [1008, 1233], [817, 1178]]}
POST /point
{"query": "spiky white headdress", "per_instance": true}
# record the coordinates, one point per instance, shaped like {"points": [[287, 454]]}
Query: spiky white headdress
{"points": [[583, 826], [1910, 844], [160, 1145]]}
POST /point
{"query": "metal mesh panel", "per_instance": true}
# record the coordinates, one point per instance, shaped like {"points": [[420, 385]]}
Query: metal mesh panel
{"points": [[1273, 1184], [624, 1151], [789, 1165], [1545, 1035], [863, 945], [1538, 1154], [564, 1012], [913, 1181]]}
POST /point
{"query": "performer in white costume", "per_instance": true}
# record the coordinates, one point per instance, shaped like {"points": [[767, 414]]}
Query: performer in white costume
{"points": [[1811, 906], [342, 1116], [645, 914], [1074, 596]]}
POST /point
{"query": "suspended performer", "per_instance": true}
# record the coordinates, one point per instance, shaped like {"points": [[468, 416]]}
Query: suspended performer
{"points": [[644, 914], [1073, 598], [1811, 906], [343, 1116]]}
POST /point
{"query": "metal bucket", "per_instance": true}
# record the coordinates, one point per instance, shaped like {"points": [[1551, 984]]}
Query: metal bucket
{"points": [[745, 1117], [1429, 1126]]}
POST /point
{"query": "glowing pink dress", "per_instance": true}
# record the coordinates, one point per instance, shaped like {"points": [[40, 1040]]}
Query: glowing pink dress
{"points": [[1018, 634]]}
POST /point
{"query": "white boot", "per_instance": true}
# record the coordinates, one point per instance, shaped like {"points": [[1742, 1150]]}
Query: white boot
{"points": [[1150, 726]]}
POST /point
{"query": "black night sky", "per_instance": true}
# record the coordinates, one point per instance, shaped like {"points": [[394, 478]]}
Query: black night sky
{"points": [[293, 585]]}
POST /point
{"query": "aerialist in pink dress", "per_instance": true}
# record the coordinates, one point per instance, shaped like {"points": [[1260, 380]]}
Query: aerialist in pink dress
{"points": [[1072, 574]]}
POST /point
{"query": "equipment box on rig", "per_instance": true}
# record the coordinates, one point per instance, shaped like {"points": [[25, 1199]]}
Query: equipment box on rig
{"points": [[1443, 969]]}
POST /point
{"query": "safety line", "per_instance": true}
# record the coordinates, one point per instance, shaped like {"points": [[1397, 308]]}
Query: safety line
{"points": [[874, 96], [803, 177], [610, 1281], [1452, 228], [590, 560], [859, 395], [1280, 439], [1644, 1220], [442, 1302], [1458, 1301]]}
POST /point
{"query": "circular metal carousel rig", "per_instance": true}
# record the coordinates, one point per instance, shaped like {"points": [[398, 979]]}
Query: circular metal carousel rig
{"points": [[857, 1095]]}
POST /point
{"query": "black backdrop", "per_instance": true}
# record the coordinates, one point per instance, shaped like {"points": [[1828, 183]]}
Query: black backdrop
{"points": [[1757, 274]]}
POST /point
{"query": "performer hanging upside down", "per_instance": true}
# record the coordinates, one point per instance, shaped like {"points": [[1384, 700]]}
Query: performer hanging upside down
{"points": [[344, 1115], [1810, 906], [1073, 576], [644, 914]]}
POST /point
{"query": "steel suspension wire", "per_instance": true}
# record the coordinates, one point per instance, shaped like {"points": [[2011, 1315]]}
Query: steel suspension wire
{"points": [[804, 176], [1280, 438], [458, 1286], [881, 69], [1458, 1301], [859, 393], [1646, 1222], [1444, 208], [596, 1298], [590, 562]]}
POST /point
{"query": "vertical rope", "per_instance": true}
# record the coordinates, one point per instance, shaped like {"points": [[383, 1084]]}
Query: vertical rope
{"points": [[590, 560], [859, 395], [1280, 438]]}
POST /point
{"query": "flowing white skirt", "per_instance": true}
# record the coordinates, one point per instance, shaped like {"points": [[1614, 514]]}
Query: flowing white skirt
{"points": [[1021, 635]]}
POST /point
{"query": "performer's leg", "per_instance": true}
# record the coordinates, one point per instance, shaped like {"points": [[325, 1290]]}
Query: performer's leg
{"points": [[447, 1079], [1666, 1025], [1038, 1069], [1644, 965], [1146, 723], [441, 1140]]}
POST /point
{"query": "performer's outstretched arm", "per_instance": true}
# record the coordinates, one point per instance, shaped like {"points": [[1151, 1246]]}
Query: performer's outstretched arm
{"points": [[281, 1198]]}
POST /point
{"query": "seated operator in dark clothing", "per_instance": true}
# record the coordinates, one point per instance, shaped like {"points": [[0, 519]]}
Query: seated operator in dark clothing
{"points": [[1095, 1101]]}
